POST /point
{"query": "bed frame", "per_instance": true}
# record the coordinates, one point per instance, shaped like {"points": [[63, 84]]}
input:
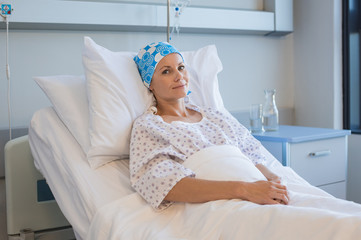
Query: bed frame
{"points": [[32, 212]]}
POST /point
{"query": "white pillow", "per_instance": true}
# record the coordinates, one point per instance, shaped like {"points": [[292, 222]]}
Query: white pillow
{"points": [[69, 98], [117, 95]]}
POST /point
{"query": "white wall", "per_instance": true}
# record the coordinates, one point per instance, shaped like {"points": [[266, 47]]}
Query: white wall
{"points": [[251, 63], [318, 63]]}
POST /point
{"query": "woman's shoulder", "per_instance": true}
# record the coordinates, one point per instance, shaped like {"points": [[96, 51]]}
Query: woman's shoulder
{"points": [[146, 117]]}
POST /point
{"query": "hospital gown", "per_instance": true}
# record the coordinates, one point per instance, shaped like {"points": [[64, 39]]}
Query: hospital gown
{"points": [[158, 149]]}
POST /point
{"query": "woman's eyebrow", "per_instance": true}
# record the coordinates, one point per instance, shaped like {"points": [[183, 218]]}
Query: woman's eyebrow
{"points": [[166, 66], [161, 68]]}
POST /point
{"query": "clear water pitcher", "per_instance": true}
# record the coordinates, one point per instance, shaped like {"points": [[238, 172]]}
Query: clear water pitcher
{"points": [[270, 111]]}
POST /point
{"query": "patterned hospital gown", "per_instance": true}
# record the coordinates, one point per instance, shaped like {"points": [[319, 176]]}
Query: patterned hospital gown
{"points": [[158, 149]]}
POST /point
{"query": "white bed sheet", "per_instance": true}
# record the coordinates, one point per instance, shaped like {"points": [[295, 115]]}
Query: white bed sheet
{"points": [[100, 204], [310, 215], [78, 189]]}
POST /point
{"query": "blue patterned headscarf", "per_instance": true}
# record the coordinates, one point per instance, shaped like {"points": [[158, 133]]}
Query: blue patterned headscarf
{"points": [[148, 58]]}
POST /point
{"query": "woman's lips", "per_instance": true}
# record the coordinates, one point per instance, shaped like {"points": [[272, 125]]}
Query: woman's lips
{"points": [[180, 86]]}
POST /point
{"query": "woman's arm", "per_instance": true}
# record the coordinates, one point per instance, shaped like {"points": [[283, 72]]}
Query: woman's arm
{"points": [[198, 191], [271, 176]]}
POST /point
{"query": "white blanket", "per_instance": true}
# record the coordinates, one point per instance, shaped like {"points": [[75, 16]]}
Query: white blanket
{"points": [[311, 214]]}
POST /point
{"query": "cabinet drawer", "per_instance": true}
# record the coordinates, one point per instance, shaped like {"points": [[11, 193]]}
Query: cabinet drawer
{"points": [[336, 189], [320, 162]]}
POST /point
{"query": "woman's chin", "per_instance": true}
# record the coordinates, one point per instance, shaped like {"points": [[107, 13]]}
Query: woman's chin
{"points": [[180, 93]]}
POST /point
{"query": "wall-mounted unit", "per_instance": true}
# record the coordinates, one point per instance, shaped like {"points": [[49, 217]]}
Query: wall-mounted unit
{"points": [[274, 18], [283, 16]]}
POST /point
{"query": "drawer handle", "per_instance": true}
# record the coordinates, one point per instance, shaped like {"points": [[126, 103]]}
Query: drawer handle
{"points": [[320, 153]]}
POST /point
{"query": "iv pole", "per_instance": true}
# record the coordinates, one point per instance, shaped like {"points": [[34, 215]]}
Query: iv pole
{"points": [[168, 20]]}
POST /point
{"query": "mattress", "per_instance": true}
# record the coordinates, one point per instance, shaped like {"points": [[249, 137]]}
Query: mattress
{"points": [[78, 190]]}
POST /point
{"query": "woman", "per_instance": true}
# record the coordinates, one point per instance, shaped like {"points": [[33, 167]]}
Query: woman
{"points": [[166, 135]]}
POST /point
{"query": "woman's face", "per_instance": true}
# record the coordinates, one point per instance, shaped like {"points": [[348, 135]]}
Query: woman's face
{"points": [[170, 79]]}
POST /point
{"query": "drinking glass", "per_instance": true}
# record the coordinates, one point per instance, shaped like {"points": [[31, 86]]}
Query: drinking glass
{"points": [[255, 118]]}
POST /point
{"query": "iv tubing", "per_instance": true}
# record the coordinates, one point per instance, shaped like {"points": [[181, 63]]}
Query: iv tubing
{"points": [[8, 75]]}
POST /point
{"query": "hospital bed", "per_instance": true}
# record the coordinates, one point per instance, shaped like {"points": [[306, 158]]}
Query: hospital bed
{"points": [[96, 198]]}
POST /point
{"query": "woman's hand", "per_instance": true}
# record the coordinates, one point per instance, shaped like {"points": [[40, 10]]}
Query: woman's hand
{"points": [[275, 178], [266, 192]]}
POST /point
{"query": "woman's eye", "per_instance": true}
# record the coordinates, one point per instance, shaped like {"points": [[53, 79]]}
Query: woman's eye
{"points": [[165, 72], [181, 67]]}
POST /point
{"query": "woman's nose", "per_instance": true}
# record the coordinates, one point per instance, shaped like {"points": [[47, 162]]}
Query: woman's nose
{"points": [[178, 76]]}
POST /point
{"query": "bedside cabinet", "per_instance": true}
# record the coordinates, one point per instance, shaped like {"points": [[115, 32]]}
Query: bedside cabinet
{"points": [[318, 155]]}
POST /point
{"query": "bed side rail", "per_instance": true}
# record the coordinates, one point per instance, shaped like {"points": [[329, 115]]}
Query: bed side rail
{"points": [[26, 215]]}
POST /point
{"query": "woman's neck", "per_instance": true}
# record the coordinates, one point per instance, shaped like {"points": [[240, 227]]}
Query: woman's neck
{"points": [[176, 108]]}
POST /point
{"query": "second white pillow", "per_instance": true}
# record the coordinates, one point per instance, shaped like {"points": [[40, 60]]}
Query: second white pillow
{"points": [[116, 97]]}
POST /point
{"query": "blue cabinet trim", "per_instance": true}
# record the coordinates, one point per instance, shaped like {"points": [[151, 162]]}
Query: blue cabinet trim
{"points": [[294, 134]]}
